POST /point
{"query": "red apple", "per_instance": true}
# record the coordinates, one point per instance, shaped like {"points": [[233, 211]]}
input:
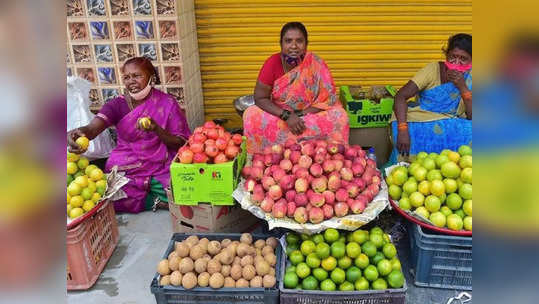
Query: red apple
{"points": [[221, 143], [280, 209], [301, 185], [329, 197], [328, 211], [231, 152], [220, 158], [200, 157], [300, 215], [316, 215], [237, 139], [291, 208], [301, 199], [211, 151], [341, 195], [267, 204], [317, 200], [341, 209], [186, 156], [275, 192], [316, 170]]}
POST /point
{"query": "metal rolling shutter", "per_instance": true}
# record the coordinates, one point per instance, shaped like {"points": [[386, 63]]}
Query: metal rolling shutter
{"points": [[363, 42]]}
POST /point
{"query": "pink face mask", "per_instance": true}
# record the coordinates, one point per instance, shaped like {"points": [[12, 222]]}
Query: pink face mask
{"points": [[459, 67], [143, 93]]}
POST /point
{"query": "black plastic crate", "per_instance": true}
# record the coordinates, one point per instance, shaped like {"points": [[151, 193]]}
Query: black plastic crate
{"points": [[440, 261], [207, 295], [295, 296]]}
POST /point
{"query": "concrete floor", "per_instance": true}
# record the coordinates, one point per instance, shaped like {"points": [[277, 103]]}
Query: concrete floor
{"points": [[143, 240]]}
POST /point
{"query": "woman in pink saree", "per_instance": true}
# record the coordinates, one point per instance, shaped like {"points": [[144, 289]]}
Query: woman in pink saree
{"points": [[143, 154], [295, 97]]}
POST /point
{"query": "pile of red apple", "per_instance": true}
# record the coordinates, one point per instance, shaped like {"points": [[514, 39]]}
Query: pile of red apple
{"points": [[210, 144], [312, 181]]}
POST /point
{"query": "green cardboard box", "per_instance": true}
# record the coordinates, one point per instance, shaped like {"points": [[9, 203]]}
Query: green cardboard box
{"points": [[206, 183], [365, 113]]}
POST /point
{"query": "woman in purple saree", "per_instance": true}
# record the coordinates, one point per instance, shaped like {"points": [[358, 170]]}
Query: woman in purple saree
{"points": [[143, 154]]}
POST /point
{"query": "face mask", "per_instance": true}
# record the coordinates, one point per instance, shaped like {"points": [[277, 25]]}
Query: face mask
{"points": [[459, 67], [142, 93], [293, 61]]}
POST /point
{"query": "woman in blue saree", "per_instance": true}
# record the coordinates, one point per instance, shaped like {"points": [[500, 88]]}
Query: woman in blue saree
{"points": [[442, 116]]}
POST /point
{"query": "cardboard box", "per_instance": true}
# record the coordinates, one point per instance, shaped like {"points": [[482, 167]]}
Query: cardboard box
{"points": [[379, 138], [206, 183], [365, 113], [209, 218]]}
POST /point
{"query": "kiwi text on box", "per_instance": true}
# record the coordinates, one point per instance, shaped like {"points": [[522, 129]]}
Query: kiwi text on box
{"points": [[365, 113], [206, 183]]}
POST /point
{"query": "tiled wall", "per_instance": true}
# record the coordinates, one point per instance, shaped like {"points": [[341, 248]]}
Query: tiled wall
{"points": [[102, 34]]}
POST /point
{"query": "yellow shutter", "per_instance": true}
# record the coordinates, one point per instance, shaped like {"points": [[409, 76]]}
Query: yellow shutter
{"points": [[363, 42]]}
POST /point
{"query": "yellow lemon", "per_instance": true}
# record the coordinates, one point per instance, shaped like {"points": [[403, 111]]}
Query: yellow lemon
{"points": [[83, 142], [96, 197], [68, 198], [72, 157], [76, 212], [83, 163], [69, 208], [96, 175], [74, 189], [82, 181], [76, 201], [91, 185], [72, 168], [89, 169], [88, 205]]}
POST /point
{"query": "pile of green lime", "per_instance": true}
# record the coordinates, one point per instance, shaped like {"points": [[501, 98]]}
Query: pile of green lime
{"points": [[437, 187], [343, 261]]}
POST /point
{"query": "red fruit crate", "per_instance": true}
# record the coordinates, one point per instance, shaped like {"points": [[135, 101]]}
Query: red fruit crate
{"points": [[89, 247]]}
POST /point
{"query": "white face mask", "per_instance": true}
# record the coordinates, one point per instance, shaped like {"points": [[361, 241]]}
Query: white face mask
{"points": [[142, 93]]}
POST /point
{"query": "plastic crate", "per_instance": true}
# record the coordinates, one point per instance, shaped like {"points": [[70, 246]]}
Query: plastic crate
{"points": [[440, 261], [293, 296], [89, 247], [206, 295]]}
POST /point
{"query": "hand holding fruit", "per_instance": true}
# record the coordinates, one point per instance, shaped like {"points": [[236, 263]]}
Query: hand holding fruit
{"points": [[77, 141], [295, 124], [146, 124]]}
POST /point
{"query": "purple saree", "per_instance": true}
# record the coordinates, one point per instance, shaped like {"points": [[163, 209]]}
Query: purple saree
{"points": [[140, 154]]}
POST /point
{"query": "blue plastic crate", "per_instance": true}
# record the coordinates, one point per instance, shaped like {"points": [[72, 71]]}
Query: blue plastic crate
{"points": [[207, 295], [440, 261]]}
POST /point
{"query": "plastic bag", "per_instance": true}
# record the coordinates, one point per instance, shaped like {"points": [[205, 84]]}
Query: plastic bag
{"points": [[78, 115]]}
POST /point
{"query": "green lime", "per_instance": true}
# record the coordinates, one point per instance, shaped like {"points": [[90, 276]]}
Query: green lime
{"points": [[342, 239], [338, 276], [362, 261], [353, 250], [290, 280], [389, 251], [331, 235], [307, 247], [304, 237], [292, 238], [318, 238], [360, 236], [320, 274], [338, 250], [395, 264], [371, 273], [344, 262], [291, 248], [327, 285], [395, 279], [379, 284], [302, 270], [376, 230], [291, 268], [322, 250], [329, 263], [377, 239], [346, 286], [353, 274], [368, 248], [309, 283], [312, 260], [69, 179], [384, 267], [362, 284], [377, 258], [296, 257]]}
